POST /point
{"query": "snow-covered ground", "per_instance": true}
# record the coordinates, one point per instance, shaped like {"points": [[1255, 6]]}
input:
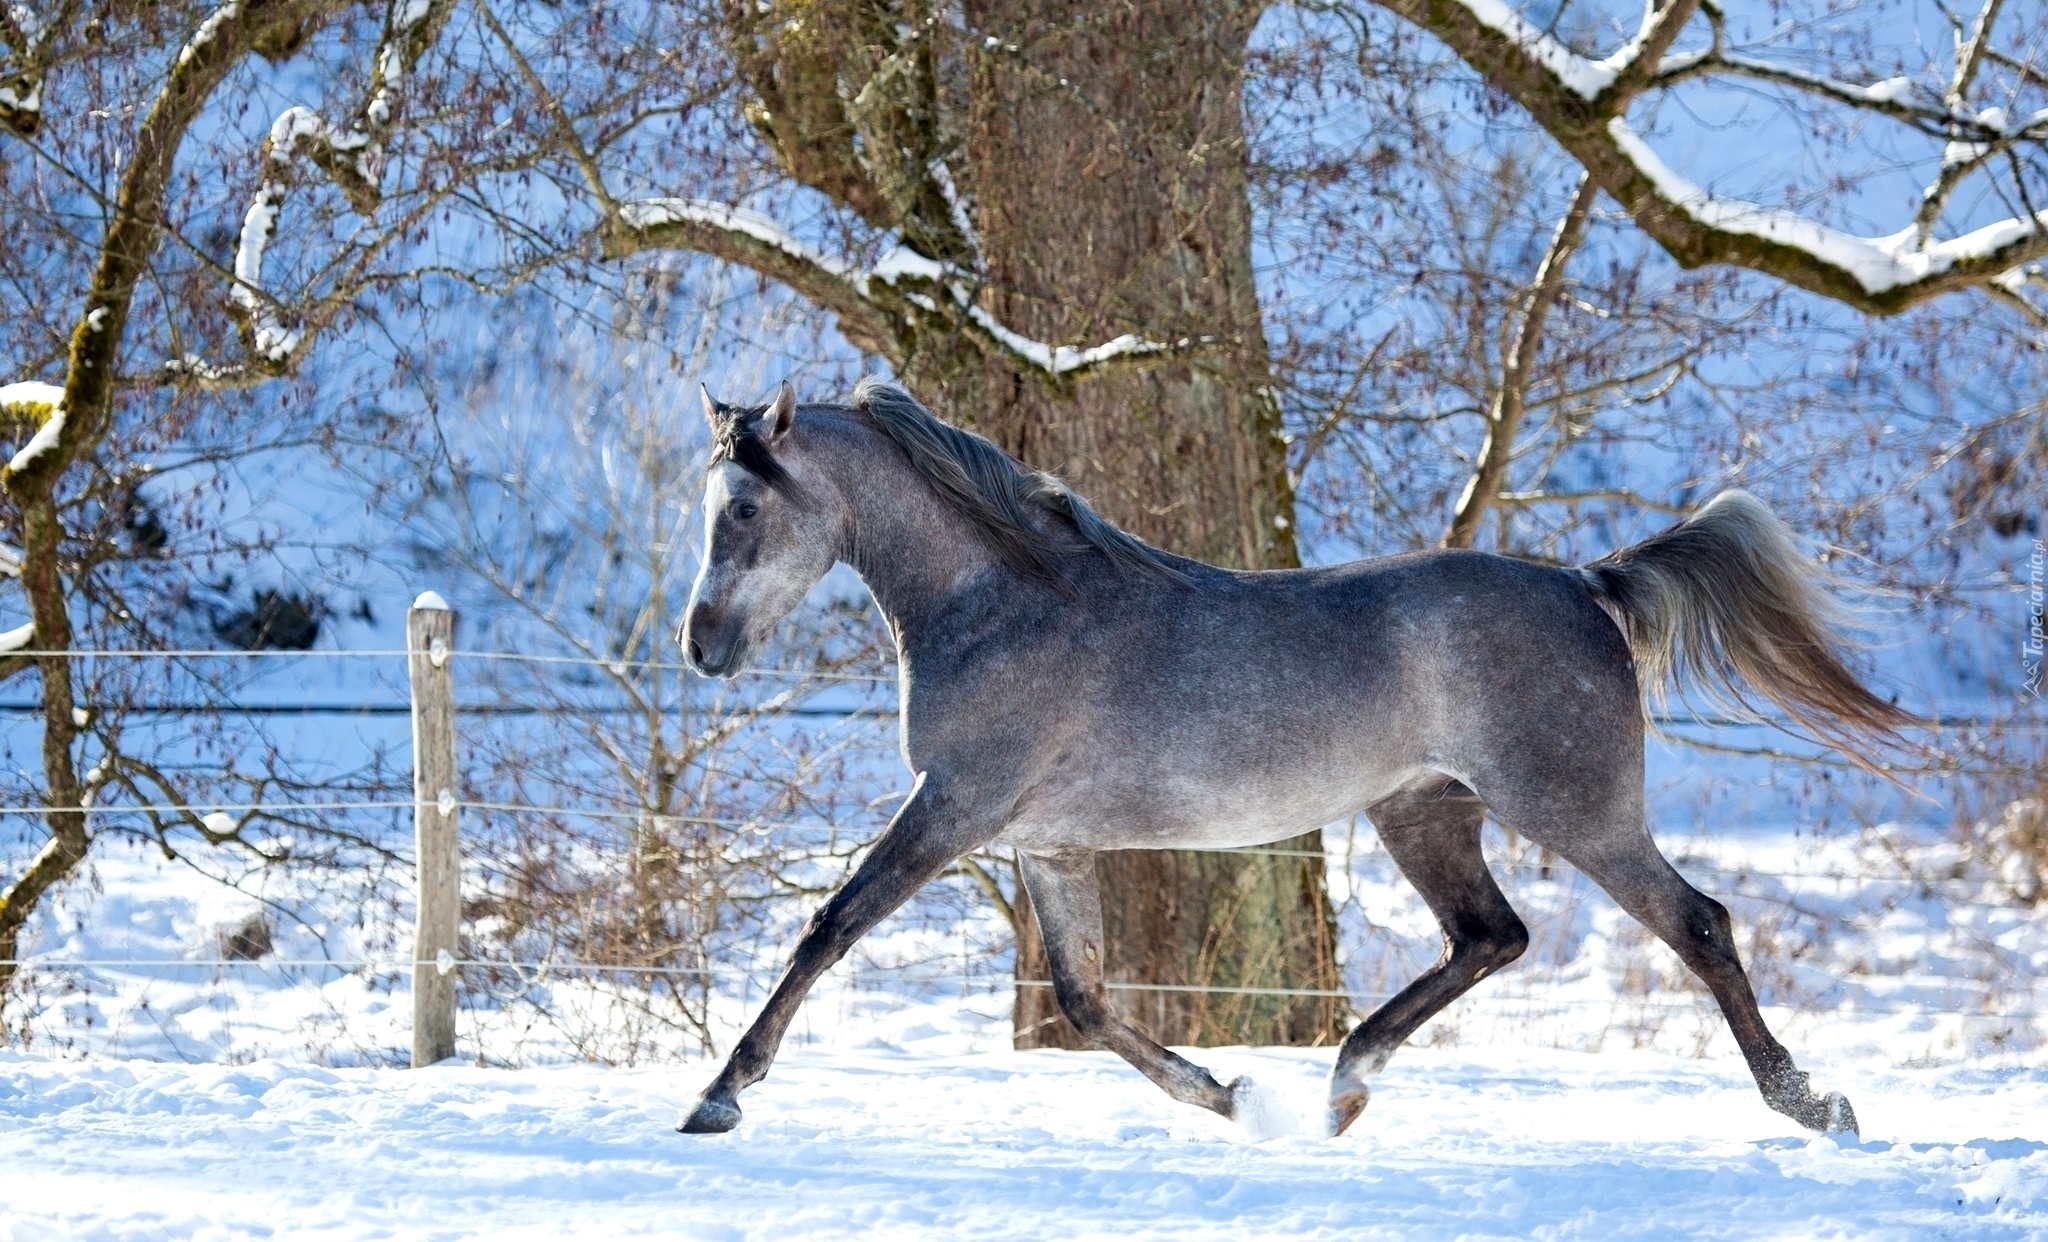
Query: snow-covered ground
{"points": [[1495, 1142], [1590, 1091]]}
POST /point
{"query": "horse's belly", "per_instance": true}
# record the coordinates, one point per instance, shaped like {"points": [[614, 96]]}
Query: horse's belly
{"points": [[1110, 814]]}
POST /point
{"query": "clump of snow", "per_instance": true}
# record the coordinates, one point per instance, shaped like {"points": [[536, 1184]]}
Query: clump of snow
{"points": [[1890, 90], [1265, 1113], [955, 205], [18, 638], [903, 261], [31, 102], [391, 61], [1877, 263], [198, 368], [271, 338], [36, 400], [31, 396], [430, 601]]}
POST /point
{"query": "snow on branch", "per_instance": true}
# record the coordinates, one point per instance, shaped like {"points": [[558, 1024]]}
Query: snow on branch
{"points": [[35, 404], [870, 302], [352, 156], [653, 213], [1059, 360], [1879, 264], [1583, 76], [1583, 104], [27, 34], [905, 266]]}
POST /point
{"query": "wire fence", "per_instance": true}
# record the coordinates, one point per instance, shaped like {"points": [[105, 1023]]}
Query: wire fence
{"points": [[446, 963]]}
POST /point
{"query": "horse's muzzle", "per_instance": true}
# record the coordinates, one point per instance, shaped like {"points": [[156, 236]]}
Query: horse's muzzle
{"points": [[712, 649]]}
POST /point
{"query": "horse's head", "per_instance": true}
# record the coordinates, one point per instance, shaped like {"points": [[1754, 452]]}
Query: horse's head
{"points": [[768, 536]]}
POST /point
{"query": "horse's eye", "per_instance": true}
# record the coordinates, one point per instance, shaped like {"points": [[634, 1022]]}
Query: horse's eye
{"points": [[745, 509]]}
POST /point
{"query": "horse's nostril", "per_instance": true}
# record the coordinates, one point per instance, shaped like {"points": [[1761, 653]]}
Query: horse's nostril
{"points": [[696, 652]]}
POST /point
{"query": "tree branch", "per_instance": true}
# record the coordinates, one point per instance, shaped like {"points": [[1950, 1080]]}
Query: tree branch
{"points": [[77, 423], [1504, 419], [1960, 158], [32, 38], [1572, 98], [760, 245], [353, 158]]}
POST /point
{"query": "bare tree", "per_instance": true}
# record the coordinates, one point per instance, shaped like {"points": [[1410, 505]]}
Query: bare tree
{"points": [[115, 289]]}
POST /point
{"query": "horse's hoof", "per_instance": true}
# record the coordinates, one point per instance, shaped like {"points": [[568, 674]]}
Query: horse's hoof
{"points": [[1823, 1114], [1345, 1109], [711, 1116], [1841, 1117]]}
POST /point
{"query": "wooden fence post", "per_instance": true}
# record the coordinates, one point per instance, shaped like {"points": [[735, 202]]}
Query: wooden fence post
{"points": [[430, 637]]}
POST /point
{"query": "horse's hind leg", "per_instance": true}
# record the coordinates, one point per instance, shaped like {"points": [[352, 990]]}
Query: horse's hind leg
{"points": [[1069, 906], [1626, 862], [1433, 836]]}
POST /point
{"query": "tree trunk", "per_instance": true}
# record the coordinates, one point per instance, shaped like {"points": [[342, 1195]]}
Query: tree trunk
{"points": [[1106, 148]]}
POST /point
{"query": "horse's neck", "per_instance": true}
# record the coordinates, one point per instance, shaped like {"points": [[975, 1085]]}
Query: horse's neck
{"points": [[916, 553]]}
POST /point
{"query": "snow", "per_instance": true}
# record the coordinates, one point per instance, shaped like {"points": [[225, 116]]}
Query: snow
{"points": [[430, 601], [902, 261], [899, 263], [207, 29], [1877, 263], [1060, 359], [18, 638], [257, 225], [170, 1097], [654, 212], [39, 400], [272, 339], [955, 205], [1582, 76], [391, 61], [30, 395], [31, 102], [1890, 90], [298, 122], [890, 1143]]}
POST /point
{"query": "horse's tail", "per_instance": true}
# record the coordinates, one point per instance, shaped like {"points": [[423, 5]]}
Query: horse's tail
{"points": [[1722, 604]]}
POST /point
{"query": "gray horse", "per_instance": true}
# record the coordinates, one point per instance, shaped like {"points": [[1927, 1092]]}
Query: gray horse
{"points": [[1067, 688]]}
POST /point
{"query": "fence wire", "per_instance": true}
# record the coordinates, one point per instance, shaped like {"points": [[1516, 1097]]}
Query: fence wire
{"points": [[620, 666]]}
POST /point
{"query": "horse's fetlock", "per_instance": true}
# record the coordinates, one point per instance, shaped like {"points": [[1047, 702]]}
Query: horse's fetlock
{"points": [[1512, 943]]}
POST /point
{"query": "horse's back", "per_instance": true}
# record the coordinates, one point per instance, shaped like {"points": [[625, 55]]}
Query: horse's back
{"points": [[1249, 706]]}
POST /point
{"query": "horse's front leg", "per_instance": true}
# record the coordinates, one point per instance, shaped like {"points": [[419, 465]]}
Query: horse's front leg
{"points": [[934, 827]]}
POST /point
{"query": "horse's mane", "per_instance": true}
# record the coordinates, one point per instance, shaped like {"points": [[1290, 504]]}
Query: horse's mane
{"points": [[994, 490], [999, 493]]}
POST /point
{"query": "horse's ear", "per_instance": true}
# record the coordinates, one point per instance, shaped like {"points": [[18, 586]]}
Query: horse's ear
{"points": [[710, 406], [781, 413]]}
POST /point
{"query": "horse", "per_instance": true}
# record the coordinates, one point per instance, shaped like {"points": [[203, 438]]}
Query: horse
{"points": [[1066, 688]]}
